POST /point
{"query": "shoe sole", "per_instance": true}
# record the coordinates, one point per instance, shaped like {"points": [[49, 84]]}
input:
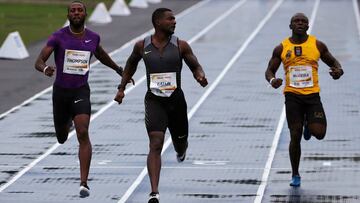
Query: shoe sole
{"points": [[84, 192]]}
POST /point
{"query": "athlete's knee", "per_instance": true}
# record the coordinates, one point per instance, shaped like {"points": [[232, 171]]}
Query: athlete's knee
{"points": [[156, 142], [61, 137], [82, 134], [318, 130], [295, 134], [319, 135], [61, 134]]}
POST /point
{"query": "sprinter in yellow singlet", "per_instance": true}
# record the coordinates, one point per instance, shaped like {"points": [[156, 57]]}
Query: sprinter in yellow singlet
{"points": [[300, 54]]}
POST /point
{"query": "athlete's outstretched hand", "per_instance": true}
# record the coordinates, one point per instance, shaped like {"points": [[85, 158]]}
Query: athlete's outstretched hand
{"points": [[336, 73], [119, 96], [49, 71], [202, 80], [276, 83]]}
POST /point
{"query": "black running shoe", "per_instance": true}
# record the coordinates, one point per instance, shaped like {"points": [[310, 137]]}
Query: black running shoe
{"points": [[84, 190], [154, 197]]}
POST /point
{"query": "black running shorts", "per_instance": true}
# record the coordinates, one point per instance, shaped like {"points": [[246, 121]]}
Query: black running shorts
{"points": [[167, 112], [299, 107], [69, 102]]}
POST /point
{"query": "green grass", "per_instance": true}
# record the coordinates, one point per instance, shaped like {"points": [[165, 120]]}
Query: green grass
{"points": [[36, 21]]}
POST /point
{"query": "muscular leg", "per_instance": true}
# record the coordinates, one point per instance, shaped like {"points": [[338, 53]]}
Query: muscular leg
{"points": [[178, 125], [154, 158], [316, 118], [295, 147], [85, 150], [295, 118]]}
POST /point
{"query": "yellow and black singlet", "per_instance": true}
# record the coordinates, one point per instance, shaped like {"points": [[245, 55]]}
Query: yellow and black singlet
{"points": [[301, 66]]}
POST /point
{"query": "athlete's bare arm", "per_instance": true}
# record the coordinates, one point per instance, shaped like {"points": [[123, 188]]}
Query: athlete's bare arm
{"points": [[40, 64], [335, 68], [273, 66], [105, 59], [191, 60], [130, 69]]}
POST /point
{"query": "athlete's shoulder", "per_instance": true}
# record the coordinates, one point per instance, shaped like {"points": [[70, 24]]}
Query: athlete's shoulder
{"points": [[286, 40], [92, 35], [90, 32], [56, 37], [60, 32], [312, 37]]}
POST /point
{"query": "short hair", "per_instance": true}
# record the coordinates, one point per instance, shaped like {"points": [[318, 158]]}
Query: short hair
{"points": [[79, 2], [158, 13], [297, 14]]}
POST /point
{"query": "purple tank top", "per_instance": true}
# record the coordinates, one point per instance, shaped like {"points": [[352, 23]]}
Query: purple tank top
{"points": [[72, 56]]}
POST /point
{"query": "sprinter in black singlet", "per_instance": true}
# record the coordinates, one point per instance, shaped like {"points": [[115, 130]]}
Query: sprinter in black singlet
{"points": [[165, 105]]}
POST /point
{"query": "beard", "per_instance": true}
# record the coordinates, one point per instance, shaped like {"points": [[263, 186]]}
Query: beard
{"points": [[77, 23]]}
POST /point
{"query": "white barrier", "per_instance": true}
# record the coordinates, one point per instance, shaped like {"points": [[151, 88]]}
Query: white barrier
{"points": [[139, 4], [154, 1], [13, 47], [119, 8], [100, 14]]}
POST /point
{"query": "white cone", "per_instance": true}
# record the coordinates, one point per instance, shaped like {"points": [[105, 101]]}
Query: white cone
{"points": [[13, 47], [119, 8], [139, 4], [100, 14], [154, 1]]}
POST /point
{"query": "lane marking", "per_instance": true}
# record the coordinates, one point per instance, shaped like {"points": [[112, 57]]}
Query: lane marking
{"points": [[266, 173], [357, 16], [143, 173], [103, 109]]}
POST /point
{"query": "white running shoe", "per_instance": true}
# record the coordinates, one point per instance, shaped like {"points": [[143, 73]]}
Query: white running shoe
{"points": [[154, 197], [84, 190]]}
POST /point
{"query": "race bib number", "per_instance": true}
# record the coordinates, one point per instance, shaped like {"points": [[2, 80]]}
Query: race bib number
{"points": [[76, 62], [163, 84], [301, 76]]}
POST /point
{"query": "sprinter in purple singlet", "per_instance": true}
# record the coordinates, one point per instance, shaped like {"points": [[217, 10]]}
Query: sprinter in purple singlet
{"points": [[73, 47]]}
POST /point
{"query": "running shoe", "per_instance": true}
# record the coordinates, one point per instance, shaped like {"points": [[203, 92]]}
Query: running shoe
{"points": [[181, 157], [84, 190], [306, 132], [295, 181], [154, 197]]}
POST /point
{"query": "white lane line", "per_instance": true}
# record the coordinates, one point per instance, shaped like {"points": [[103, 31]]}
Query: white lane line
{"points": [[126, 45], [261, 190], [357, 16], [143, 173], [104, 108]]}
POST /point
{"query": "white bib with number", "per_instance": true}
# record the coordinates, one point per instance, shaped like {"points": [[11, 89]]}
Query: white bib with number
{"points": [[163, 84], [76, 62], [301, 76]]}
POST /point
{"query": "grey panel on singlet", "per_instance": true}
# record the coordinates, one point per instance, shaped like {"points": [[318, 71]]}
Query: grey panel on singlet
{"points": [[230, 134]]}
